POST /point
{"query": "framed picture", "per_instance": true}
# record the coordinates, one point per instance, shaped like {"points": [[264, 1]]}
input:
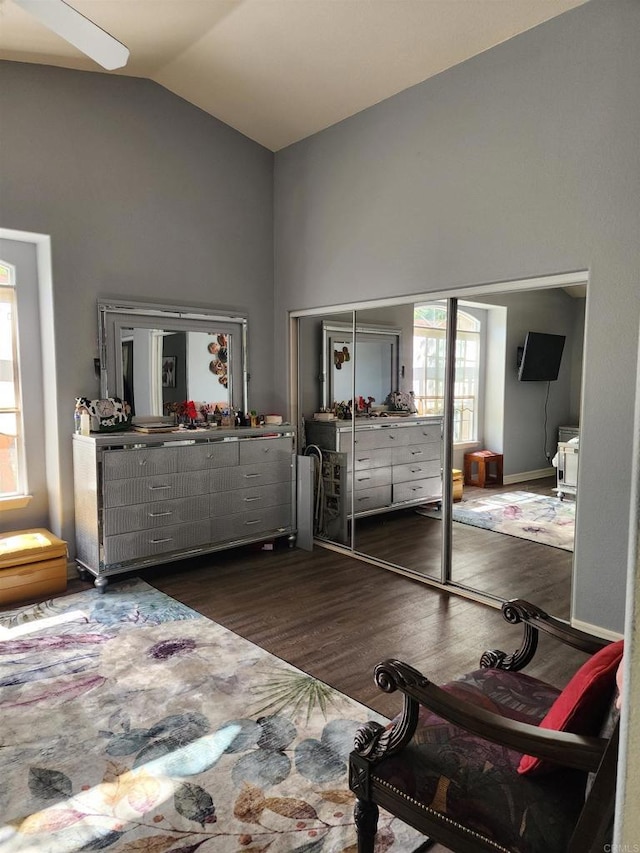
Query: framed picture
{"points": [[169, 371]]}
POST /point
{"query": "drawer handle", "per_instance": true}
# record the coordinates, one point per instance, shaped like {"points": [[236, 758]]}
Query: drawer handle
{"points": [[159, 514], [363, 458], [157, 488], [366, 498], [417, 452], [254, 521], [250, 500], [415, 470], [251, 476], [416, 488], [362, 479], [391, 436], [160, 541]]}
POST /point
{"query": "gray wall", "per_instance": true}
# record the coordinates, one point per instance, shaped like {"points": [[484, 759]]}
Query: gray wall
{"points": [[520, 162], [145, 198]]}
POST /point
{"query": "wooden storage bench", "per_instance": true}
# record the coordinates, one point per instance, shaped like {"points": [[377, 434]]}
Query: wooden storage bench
{"points": [[33, 563]]}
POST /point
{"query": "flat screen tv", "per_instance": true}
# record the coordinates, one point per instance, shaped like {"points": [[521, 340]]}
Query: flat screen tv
{"points": [[541, 357]]}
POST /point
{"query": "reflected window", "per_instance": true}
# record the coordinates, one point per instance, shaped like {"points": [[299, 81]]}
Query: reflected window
{"points": [[12, 473], [429, 361]]}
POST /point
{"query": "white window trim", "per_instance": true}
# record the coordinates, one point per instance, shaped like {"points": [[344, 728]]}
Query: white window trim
{"points": [[21, 497]]}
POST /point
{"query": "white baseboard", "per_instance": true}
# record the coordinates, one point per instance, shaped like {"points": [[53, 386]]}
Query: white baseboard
{"points": [[596, 630], [540, 474]]}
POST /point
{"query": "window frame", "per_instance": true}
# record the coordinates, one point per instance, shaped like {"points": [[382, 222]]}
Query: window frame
{"points": [[439, 332], [18, 497]]}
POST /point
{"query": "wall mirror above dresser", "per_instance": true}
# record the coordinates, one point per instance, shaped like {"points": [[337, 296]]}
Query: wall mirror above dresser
{"points": [[458, 354], [154, 356]]}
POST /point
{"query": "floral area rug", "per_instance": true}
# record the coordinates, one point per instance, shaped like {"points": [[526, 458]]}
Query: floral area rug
{"points": [[526, 515], [132, 723], [522, 514]]}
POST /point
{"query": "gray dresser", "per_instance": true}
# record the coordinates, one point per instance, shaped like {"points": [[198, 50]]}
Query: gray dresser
{"points": [[145, 499], [393, 463]]}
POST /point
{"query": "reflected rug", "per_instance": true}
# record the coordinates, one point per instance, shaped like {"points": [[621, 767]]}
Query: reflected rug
{"points": [[543, 519], [132, 723]]}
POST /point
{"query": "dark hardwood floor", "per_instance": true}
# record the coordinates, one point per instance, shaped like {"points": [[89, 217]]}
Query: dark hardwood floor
{"points": [[335, 617]]}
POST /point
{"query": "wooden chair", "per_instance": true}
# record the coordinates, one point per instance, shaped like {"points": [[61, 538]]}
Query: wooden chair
{"points": [[448, 765]]}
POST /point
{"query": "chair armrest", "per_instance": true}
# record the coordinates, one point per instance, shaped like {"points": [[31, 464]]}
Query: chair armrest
{"points": [[534, 619], [375, 742]]}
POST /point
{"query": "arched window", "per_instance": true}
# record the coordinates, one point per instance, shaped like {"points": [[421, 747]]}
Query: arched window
{"points": [[429, 354], [12, 470]]}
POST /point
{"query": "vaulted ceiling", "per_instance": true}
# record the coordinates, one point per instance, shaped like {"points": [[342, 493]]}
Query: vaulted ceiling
{"points": [[281, 70]]}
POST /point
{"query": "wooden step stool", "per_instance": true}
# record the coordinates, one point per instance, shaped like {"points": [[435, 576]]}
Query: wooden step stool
{"points": [[483, 468], [33, 564]]}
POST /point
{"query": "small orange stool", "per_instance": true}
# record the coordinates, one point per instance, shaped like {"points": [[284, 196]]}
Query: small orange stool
{"points": [[483, 468]]}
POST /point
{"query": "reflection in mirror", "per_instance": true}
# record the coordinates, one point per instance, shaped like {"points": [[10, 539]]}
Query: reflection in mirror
{"points": [[534, 426], [161, 368], [517, 533], [157, 357], [376, 370], [320, 437], [401, 468]]}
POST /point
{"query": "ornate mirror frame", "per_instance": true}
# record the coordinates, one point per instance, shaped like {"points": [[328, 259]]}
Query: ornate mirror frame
{"points": [[116, 316]]}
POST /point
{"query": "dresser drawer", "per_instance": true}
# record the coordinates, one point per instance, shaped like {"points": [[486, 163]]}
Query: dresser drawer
{"points": [[200, 457], [376, 458], [154, 515], [243, 476], [369, 479], [253, 498], [151, 543], [427, 489], [374, 438], [140, 462], [120, 493], [425, 433], [251, 523], [266, 450], [373, 498], [416, 471], [416, 453]]}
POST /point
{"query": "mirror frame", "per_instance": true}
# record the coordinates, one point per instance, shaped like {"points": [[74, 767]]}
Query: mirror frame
{"points": [[330, 329], [113, 316]]}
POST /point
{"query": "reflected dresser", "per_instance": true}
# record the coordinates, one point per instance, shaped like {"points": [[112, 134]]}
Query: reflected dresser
{"points": [[392, 463], [146, 499]]}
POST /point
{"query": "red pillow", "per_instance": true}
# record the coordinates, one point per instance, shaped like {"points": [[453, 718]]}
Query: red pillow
{"points": [[583, 702]]}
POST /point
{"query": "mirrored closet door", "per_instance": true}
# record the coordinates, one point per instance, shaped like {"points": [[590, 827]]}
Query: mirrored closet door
{"points": [[399, 451], [452, 362]]}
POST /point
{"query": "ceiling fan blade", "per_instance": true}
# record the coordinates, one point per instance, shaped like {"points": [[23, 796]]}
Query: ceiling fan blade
{"points": [[79, 31]]}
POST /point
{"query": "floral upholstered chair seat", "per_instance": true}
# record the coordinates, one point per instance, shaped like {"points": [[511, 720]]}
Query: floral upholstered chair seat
{"points": [[497, 760], [475, 782]]}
